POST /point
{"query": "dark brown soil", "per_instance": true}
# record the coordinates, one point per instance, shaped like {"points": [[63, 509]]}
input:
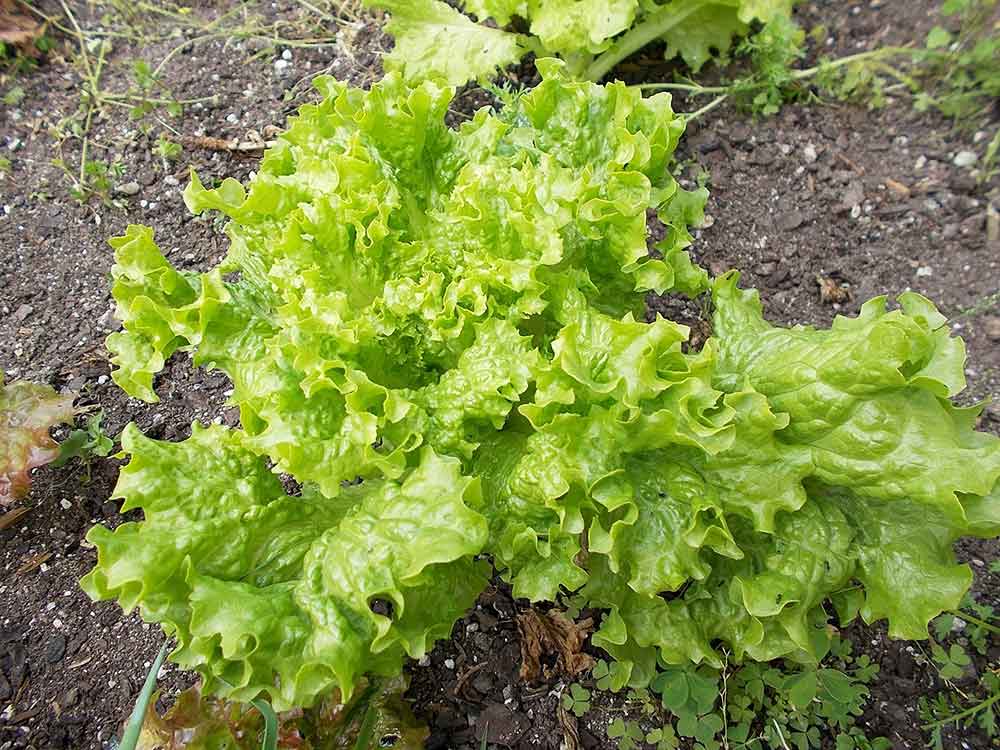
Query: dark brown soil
{"points": [[864, 202]]}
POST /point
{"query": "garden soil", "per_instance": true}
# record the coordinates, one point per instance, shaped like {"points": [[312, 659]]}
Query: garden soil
{"points": [[821, 207]]}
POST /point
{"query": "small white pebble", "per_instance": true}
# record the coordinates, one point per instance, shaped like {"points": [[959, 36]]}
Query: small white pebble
{"points": [[449, 663], [925, 271], [286, 55], [65, 504], [425, 660], [965, 159]]}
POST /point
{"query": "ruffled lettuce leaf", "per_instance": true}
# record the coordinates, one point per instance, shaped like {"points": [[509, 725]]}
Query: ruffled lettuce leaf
{"points": [[437, 333], [27, 412], [264, 591], [434, 40]]}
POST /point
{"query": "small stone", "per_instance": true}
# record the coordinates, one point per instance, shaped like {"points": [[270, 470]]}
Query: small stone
{"points": [[991, 326], [965, 159], [286, 55], [449, 663], [128, 188], [22, 312], [65, 504], [232, 117], [920, 163], [809, 154], [55, 648], [962, 183], [789, 220], [281, 65], [171, 181], [108, 321], [924, 271], [425, 660], [739, 133], [854, 195], [483, 683]]}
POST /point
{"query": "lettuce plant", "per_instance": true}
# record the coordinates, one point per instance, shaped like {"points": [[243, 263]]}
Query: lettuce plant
{"points": [[434, 40], [27, 412], [435, 333]]}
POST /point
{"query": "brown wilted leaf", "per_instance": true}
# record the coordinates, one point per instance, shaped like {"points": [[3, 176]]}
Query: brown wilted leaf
{"points": [[552, 634], [898, 188], [221, 144], [33, 562], [570, 727], [10, 518], [831, 292], [16, 28]]}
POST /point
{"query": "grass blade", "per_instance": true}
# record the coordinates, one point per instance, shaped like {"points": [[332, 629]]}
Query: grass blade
{"points": [[270, 724], [131, 734]]}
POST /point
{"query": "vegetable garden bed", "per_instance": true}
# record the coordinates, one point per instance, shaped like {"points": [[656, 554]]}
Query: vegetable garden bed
{"points": [[820, 207]]}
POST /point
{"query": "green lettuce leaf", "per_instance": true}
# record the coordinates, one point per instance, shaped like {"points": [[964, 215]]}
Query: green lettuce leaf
{"points": [[433, 40], [436, 333], [264, 591]]}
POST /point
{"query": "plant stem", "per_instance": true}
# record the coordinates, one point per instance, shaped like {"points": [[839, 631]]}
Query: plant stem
{"points": [[706, 109], [974, 620], [964, 714], [690, 88], [797, 75], [117, 98], [655, 26]]}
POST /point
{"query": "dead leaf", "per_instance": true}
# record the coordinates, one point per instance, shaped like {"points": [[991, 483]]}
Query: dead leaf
{"points": [[36, 561], [830, 292], [223, 144], [10, 517], [570, 727], [898, 188], [18, 29], [552, 634]]}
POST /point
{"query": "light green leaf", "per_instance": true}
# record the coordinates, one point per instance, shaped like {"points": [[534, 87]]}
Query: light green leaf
{"points": [[433, 40]]}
